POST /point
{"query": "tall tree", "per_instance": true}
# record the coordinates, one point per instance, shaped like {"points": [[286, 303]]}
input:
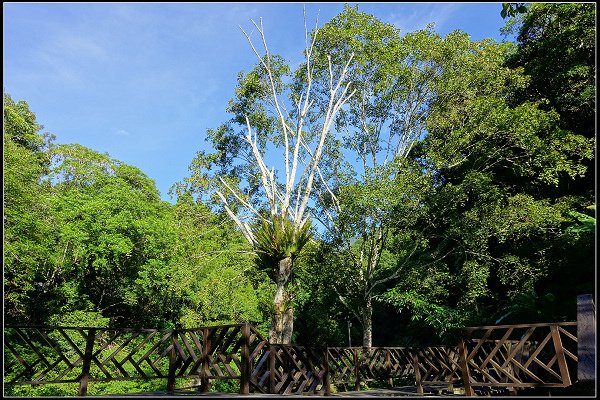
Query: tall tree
{"points": [[115, 241], [556, 48], [497, 162], [271, 205], [370, 182], [28, 224]]}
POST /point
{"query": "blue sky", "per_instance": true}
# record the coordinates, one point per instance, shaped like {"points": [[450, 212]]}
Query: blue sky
{"points": [[144, 81]]}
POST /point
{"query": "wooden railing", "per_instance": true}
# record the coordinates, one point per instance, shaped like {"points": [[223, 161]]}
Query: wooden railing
{"points": [[42, 355], [286, 369], [351, 366], [543, 355], [518, 356], [508, 358]]}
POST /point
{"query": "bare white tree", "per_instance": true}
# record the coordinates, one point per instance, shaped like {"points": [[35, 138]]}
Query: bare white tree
{"points": [[284, 228]]}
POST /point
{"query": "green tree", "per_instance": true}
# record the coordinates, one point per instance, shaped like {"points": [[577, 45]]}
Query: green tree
{"points": [[512, 9], [28, 225], [365, 200], [556, 49], [115, 240], [213, 270], [564, 33], [87, 241], [496, 163]]}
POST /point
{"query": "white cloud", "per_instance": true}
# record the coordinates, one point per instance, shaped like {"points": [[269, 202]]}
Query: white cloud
{"points": [[122, 132], [65, 56], [420, 15]]}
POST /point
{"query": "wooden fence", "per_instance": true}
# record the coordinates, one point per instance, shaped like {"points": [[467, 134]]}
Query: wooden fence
{"points": [[487, 358], [42, 355], [435, 365], [518, 356]]}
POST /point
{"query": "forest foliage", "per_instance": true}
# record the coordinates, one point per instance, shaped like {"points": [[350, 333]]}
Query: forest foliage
{"points": [[457, 188]]}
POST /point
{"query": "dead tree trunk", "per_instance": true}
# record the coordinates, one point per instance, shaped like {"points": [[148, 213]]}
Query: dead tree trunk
{"points": [[282, 322]]}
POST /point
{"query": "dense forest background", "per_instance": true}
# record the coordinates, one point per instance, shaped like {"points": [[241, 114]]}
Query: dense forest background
{"points": [[488, 217]]}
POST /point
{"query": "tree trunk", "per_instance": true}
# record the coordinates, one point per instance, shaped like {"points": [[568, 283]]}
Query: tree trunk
{"points": [[367, 323], [282, 322]]}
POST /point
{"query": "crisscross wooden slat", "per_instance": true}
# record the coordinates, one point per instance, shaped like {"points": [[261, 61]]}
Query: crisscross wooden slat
{"points": [[55, 347], [510, 363], [27, 340]]}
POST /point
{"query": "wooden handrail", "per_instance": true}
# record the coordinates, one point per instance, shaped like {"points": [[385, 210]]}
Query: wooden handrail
{"points": [[517, 326]]}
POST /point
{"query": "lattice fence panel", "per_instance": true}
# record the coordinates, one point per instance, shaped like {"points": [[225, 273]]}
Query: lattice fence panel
{"points": [[343, 365], [56, 354], [43, 355], [215, 352], [293, 370], [401, 362], [130, 354], [381, 363], [520, 356], [439, 365], [259, 362]]}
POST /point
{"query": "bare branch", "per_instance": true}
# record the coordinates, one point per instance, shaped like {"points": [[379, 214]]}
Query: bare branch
{"points": [[329, 118], [296, 145], [246, 231], [239, 198]]}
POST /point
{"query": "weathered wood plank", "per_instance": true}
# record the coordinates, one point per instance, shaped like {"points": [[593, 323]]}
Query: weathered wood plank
{"points": [[560, 356], [586, 338]]}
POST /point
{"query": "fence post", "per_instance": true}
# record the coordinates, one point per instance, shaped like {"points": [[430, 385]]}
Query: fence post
{"points": [[271, 370], [326, 378], [356, 370], [245, 367], [416, 367], [87, 362], [586, 338], [172, 364], [204, 382], [464, 367]]}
